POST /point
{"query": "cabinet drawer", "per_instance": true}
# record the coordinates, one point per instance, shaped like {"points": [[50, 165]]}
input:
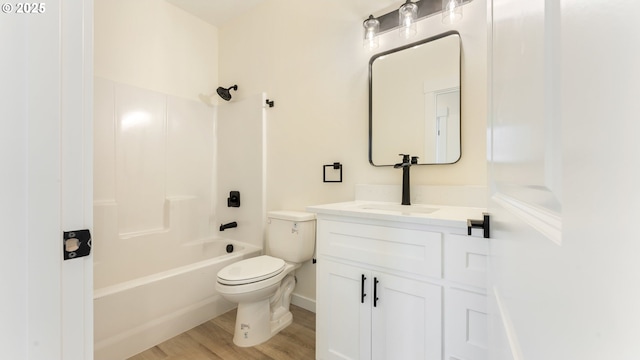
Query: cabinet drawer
{"points": [[466, 260], [413, 251]]}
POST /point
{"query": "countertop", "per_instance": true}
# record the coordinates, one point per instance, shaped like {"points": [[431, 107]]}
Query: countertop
{"points": [[437, 215]]}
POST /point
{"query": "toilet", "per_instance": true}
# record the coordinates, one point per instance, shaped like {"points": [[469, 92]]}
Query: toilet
{"points": [[262, 286]]}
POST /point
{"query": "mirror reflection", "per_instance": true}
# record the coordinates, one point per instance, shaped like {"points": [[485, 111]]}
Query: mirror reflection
{"points": [[414, 102]]}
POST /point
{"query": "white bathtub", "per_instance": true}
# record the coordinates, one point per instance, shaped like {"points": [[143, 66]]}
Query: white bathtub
{"points": [[135, 315]]}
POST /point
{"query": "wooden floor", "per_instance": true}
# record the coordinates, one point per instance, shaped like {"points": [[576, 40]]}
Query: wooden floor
{"points": [[214, 340]]}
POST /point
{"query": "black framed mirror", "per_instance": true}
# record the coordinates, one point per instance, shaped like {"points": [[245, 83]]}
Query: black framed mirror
{"points": [[414, 102]]}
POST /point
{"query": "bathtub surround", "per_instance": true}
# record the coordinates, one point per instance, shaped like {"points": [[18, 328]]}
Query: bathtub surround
{"points": [[156, 212], [153, 179]]}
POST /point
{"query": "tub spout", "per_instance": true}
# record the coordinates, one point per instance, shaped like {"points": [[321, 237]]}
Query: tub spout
{"points": [[230, 225]]}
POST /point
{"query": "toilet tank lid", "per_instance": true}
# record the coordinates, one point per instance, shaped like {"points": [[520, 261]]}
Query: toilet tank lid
{"points": [[291, 215]]}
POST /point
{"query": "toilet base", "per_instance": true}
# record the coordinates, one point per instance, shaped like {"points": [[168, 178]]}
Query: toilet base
{"points": [[253, 326]]}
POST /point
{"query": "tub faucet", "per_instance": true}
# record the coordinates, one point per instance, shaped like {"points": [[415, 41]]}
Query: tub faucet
{"points": [[230, 225], [406, 163]]}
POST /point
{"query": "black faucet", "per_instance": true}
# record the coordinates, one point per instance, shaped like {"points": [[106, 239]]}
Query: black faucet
{"points": [[406, 163], [230, 225]]}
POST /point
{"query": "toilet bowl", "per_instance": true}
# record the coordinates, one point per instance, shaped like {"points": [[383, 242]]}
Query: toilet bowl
{"points": [[262, 286]]}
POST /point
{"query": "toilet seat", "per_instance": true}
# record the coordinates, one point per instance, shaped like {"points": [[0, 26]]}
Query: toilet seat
{"points": [[251, 270]]}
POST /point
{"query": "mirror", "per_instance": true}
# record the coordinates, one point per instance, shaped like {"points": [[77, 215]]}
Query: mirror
{"points": [[414, 102]]}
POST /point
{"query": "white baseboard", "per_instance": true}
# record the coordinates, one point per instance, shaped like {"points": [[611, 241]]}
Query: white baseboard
{"points": [[303, 302]]}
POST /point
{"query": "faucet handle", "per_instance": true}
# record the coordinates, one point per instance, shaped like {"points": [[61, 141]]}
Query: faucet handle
{"points": [[405, 157], [414, 160]]}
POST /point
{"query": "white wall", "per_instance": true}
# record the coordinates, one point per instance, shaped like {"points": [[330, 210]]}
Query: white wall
{"points": [[154, 45], [308, 57]]}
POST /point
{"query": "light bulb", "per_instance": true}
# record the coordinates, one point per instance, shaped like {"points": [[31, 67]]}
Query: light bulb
{"points": [[407, 17], [371, 28], [451, 11]]}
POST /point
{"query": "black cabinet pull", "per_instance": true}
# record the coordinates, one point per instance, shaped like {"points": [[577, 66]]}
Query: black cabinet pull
{"points": [[362, 294], [375, 291]]}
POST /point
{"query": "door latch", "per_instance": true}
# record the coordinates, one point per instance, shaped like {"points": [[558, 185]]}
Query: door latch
{"points": [[76, 244]]}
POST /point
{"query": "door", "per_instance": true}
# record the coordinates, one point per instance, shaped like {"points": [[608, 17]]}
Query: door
{"points": [[406, 319], [344, 299], [563, 179], [47, 179]]}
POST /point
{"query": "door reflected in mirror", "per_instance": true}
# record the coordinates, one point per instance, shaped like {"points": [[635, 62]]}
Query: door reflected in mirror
{"points": [[414, 102]]}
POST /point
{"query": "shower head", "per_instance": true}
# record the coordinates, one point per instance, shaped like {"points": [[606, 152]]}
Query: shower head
{"points": [[225, 93]]}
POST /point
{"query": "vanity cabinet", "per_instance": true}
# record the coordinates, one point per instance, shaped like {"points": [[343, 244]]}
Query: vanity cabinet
{"points": [[375, 315], [388, 290]]}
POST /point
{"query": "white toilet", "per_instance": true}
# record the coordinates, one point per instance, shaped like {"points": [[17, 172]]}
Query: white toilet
{"points": [[262, 285]]}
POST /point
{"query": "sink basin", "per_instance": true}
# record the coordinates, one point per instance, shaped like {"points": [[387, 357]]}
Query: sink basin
{"points": [[419, 209]]}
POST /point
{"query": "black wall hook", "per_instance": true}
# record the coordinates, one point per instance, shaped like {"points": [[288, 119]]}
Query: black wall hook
{"points": [[482, 224], [270, 103]]}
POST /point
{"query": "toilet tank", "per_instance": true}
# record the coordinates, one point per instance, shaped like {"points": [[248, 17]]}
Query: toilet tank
{"points": [[291, 235]]}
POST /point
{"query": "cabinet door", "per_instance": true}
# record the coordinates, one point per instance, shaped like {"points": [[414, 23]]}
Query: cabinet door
{"points": [[406, 319], [466, 325], [343, 319]]}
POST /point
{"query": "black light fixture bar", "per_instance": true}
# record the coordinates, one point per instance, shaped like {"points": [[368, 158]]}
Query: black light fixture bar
{"points": [[426, 8]]}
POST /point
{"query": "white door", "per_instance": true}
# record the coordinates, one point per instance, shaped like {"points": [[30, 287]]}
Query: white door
{"points": [[45, 153], [564, 173]]}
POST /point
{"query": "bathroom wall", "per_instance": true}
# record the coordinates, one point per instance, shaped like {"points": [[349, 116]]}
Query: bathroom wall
{"points": [[308, 56], [154, 45]]}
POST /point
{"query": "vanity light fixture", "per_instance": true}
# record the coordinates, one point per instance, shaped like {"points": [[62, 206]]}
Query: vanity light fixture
{"points": [[407, 17], [451, 11], [371, 30]]}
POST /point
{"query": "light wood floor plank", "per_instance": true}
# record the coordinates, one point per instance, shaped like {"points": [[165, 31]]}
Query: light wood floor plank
{"points": [[213, 340]]}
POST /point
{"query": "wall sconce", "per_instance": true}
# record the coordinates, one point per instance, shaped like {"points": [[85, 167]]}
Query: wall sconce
{"points": [[407, 17], [371, 30], [451, 11]]}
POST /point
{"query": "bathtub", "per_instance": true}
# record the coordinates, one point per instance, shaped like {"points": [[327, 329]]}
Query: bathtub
{"points": [[134, 315]]}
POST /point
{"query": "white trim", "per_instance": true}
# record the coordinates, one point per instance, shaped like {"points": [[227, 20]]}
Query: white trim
{"points": [[304, 302], [544, 221]]}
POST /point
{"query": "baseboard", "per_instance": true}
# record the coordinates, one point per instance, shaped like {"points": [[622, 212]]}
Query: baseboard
{"points": [[303, 302]]}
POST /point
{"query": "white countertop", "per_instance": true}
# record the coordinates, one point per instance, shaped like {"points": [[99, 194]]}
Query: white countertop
{"points": [[438, 215]]}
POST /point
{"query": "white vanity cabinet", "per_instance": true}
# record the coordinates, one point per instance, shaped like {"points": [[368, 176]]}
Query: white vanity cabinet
{"points": [[398, 290]]}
